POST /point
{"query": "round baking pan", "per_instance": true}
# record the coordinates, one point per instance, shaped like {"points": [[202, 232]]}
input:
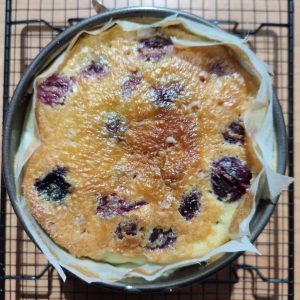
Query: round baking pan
{"points": [[13, 131]]}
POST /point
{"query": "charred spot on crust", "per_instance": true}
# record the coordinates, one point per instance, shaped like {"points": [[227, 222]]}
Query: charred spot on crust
{"points": [[160, 239], [126, 228], [112, 205], [131, 84], [154, 48], [53, 90], [230, 178], [53, 186], [95, 69], [190, 204], [116, 126], [235, 134], [166, 96]]}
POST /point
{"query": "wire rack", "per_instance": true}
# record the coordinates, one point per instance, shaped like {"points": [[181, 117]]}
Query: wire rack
{"points": [[268, 25]]}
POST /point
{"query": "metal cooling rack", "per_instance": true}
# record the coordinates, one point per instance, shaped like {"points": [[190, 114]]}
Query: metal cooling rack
{"points": [[268, 25]]}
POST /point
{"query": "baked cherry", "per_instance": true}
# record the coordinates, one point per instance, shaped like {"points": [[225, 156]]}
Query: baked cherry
{"points": [[115, 126], [190, 204], [126, 228], [235, 134], [217, 69], [95, 69], [131, 84], [156, 42], [53, 186], [154, 48], [112, 205], [53, 90], [230, 178], [165, 96], [160, 239]]}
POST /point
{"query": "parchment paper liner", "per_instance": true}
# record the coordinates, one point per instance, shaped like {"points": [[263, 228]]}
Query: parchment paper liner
{"points": [[259, 126]]}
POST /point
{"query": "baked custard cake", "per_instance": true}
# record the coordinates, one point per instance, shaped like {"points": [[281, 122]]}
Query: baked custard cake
{"points": [[144, 153]]}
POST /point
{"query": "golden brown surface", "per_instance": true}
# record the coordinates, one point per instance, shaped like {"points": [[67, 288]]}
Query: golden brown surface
{"points": [[163, 153]]}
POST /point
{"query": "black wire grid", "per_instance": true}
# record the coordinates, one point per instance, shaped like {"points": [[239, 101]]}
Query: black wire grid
{"points": [[268, 25]]}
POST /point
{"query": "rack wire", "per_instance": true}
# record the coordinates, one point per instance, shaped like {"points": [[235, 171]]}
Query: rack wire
{"points": [[268, 26]]}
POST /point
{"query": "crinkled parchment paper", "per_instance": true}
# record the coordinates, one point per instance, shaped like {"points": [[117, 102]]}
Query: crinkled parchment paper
{"points": [[258, 123]]}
